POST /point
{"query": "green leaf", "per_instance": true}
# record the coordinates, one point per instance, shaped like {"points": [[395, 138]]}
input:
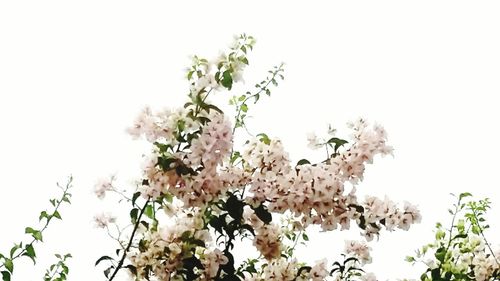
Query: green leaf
{"points": [[264, 138], [132, 269], [9, 265], [168, 197], [57, 215], [38, 236], [43, 214], [165, 163], [463, 195], [163, 147], [65, 270], [14, 249], [460, 236], [440, 234], [217, 223], [244, 107], [227, 79], [103, 258], [476, 229], [263, 214], [133, 215], [135, 196], [338, 143], [5, 276], [211, 106], [436, 274], [305, 237], [235, 156], [249, 228], [440, 254], [234, 207], [353, 259], [410, 259], [358, 208], [30, 252], [149, 212], [303, 162], [66, 199], [256, 96], [35, 233]]}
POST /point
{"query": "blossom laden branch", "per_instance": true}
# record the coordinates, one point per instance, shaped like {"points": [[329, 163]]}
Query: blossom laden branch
{"points": [[119, 265], [214, 194]]}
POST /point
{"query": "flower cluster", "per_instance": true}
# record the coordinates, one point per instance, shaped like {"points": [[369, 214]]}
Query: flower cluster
{"points": [[282, 269], [316, 193], [171, 244], [215, 195], [267, 236], [205, 154], [161, 125], [102, 186], [358, 249], [102, 220]]}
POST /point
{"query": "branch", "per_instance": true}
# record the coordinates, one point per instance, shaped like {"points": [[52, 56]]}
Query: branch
{"points": [[120, 263]]}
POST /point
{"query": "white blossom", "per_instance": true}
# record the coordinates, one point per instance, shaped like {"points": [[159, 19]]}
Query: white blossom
{"points": [[102, 220]]}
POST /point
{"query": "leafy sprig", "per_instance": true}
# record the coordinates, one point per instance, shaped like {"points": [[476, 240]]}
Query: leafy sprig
{"points": [[451, 244], [58, 271], [27, 249]]}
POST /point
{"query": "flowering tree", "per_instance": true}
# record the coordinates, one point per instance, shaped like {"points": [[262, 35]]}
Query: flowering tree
{"points": [[201, 192]]}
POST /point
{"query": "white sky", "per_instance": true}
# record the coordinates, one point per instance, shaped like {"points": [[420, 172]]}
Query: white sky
{"points": [[74, 75]]}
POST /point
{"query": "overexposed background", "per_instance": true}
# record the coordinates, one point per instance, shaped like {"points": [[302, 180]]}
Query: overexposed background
{"points": [[73, 75]]}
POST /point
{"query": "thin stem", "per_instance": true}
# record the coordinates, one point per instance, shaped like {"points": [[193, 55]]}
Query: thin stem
{"points": [[453, 224], [239, 108], [117, 239], [55, 271], [124, 196], [120, 263], [296, 240], [49, 218], [484, 237], [262, 89], [198, 108]]}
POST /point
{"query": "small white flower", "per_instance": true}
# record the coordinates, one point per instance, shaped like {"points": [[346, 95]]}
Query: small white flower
{"points": [[359, 250], [331, 130], [102, 185], [369, 277], [174, 249], [313, 141], [103, 220]]}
